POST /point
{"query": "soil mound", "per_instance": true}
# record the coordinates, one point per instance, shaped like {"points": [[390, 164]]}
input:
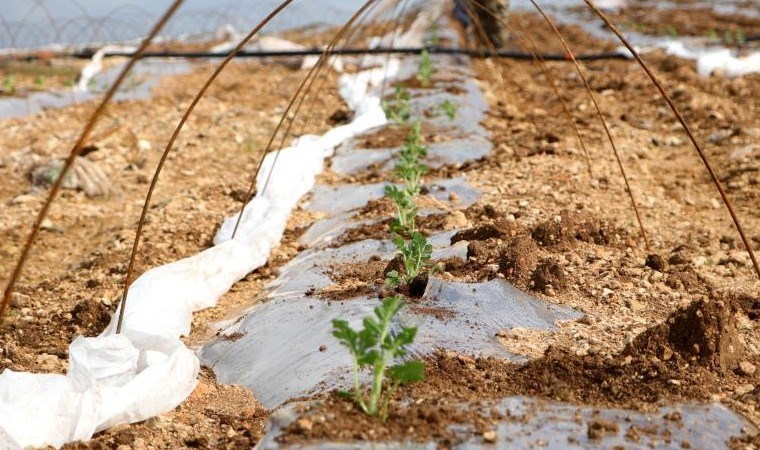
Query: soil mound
{"points": [[702, 333]]}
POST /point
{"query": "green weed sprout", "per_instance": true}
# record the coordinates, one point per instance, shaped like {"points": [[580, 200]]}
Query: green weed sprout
{"points": [[376, 347], [39, 81], [450, 109], [426, 69], [415, 255], [398, 109], [406, 210]]}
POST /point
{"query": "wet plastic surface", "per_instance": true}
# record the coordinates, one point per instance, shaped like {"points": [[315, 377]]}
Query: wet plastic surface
{"points": [[535, 423]]}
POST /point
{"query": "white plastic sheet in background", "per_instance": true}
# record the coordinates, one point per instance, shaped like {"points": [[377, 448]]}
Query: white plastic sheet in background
{"points": [[95, 66], [147, 370], [710, 61]]}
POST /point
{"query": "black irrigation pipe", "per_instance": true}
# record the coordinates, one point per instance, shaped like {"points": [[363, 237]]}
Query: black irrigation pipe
{"points": [[366, 51]]}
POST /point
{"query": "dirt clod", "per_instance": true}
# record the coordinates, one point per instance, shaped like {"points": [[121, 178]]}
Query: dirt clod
{"points": [[656, 262], [519, 259], [599, 428], [549, 275]]}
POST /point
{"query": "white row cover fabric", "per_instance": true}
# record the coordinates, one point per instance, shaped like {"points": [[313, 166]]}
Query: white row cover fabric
{"points": [[710, 61], [147, 370]]}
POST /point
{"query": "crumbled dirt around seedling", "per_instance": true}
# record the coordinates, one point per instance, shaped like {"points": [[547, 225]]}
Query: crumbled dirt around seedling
{"points": [[381, 208], [704, 333], [353, 280], [458, 386], [337, 419], [380, 229]]}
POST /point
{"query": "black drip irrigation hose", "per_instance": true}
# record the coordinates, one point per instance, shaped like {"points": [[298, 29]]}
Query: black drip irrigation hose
{"points": [[478, 53]]}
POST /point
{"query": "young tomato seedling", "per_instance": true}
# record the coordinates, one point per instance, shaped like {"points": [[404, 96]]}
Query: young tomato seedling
{"points": [[376, 347], [450, 109], [426, 69], [398, 109], [406, 210], [415, 255]]}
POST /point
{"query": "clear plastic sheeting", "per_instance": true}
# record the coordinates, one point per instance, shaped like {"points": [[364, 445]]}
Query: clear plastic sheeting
{"points": [[339, 199], [275, 349], [284, 348], [350, 160], [145, 76], [147, 370], [535, 423]]}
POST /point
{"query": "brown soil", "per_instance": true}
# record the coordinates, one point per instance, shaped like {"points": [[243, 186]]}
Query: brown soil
{"points": [[701, 21]]}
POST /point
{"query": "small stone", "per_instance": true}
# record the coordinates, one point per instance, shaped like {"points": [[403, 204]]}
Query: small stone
{"points": [[747, 368], [144, 145], [455, 221], [744, 389], [123, 447], [47, 225], [19, 300], [323, 348], [23, 198], [304, 424], [634, 305], [489, 436]]}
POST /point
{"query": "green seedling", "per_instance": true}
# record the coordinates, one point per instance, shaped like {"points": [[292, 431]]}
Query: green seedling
{"points": [[406, 210], [9, 84], [408, 167], [426, 69], [432, 39], [39, 81], [398, 109], [415, 255], [741, 38], [450, 109], [376, 347], [728, 38], [713, 37]]}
